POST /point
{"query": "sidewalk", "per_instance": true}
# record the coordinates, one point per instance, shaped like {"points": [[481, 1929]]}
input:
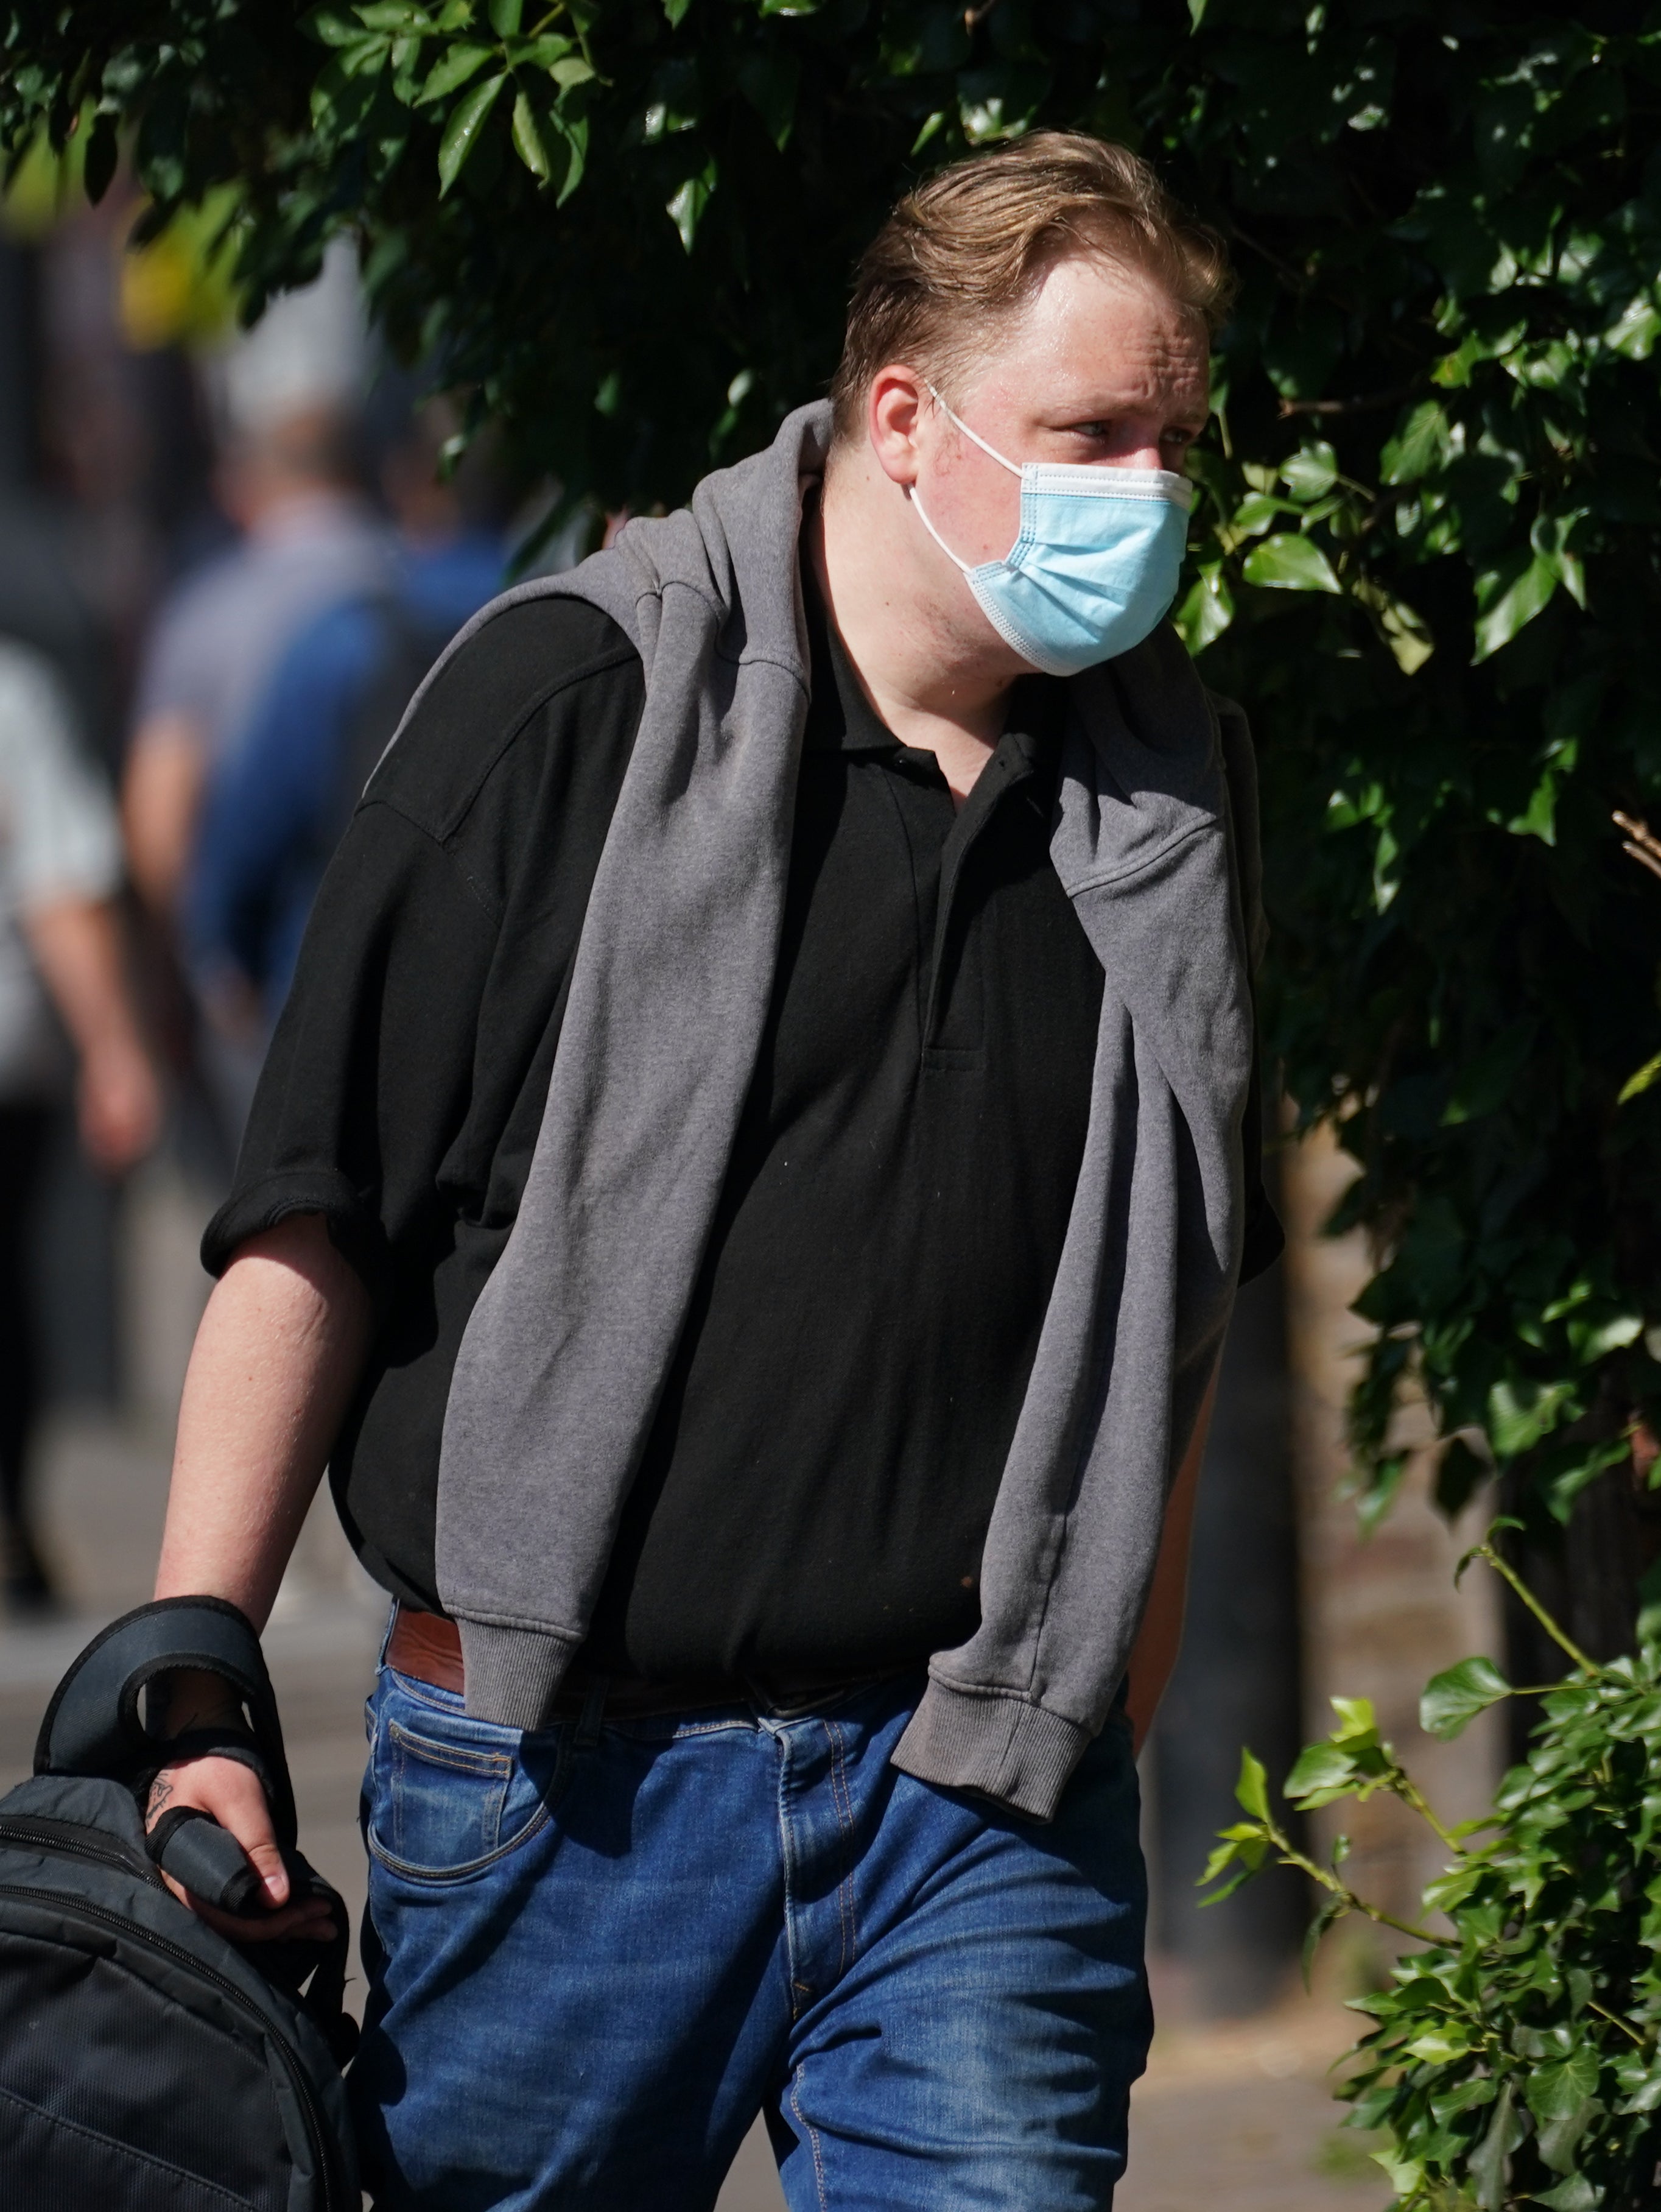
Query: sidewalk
{"points": [[1239, 2117], [1234, 2119]]}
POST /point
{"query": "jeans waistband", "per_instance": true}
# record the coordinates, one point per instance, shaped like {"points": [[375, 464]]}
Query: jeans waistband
{"points": [[426, 1647]]}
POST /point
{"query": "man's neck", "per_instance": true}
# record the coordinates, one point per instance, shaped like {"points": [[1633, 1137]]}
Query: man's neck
{"points": [[918, 656]]}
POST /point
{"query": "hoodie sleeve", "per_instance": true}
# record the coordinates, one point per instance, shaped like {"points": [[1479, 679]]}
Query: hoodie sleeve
{"points": [[1265, 1240]]}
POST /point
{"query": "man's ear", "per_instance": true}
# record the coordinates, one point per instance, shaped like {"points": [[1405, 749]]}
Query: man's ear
{"points": [[898, 411]]}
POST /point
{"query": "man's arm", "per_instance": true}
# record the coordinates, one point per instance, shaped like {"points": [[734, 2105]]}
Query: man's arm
{"points": [[1153, 1655], [276, 1359], [76, 943], [160, 797]]}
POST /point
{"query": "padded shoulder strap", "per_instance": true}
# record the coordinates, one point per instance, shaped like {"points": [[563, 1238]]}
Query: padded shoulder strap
{"points": [[92, 1725]]}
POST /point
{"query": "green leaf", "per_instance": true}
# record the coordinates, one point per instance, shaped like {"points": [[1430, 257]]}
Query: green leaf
{"points": [[686, 208], [1508, 599], [675, 10], [1286, 563], [1252, 1791], [1593, 1339], [333, 30], [1406, 2175], [103, 150], [1405, 632], [1259, 511], [1577, 2194], [574, 131], [462, 131], [1521, 1413], [1442, 2045], [1460, 1473], [1643, 1079], [453, 69], [506, 17], [527, 140], [1635, 333], [1559, 2088], [1208, 610], [1424, 444], [1454, 1698], [1358, 1722], [1322, 1767], [1312, 472], [1490, 2160]]}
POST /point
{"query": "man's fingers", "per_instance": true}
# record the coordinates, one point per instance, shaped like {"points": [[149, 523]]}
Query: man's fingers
{"points": [[232, 1793], [268, 1864], [310, 1921]]}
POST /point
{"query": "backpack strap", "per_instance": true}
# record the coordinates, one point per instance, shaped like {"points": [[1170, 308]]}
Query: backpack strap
{"points": [[92, 1727]]}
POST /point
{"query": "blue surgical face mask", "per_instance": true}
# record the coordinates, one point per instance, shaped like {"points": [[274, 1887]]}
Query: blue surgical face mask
{"points": [[1094, 568]]}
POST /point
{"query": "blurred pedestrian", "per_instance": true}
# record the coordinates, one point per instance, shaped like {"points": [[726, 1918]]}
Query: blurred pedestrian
{"points": [[61, 971], [278, 805], [310, 538]]}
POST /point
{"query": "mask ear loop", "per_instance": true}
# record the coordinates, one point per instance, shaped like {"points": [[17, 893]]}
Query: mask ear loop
{"points": [[967, 566], [1013, 467], [923, 517]]}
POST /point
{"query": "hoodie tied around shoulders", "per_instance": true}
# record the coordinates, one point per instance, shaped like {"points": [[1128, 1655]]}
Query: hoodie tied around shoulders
{"points": [[560, 1370]]}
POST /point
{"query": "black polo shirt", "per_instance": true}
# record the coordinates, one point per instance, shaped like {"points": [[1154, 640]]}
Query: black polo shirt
{"points": [[815, 1491]]}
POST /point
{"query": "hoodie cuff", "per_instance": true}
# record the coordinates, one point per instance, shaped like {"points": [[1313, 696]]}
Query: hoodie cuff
{"points": [[994, 1742], [513, 1675]]}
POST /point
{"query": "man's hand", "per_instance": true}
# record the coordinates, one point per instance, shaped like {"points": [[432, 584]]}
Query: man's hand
{"points": [[233, 1794]]}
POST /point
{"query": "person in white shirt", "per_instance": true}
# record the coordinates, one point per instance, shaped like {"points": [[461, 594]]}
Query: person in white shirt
{"points": [[65, 1011]]}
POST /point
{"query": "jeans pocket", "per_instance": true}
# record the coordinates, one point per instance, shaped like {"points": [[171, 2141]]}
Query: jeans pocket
{"points": [[450, 1797]]}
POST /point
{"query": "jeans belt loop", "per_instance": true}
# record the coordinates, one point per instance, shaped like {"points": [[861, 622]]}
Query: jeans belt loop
{"points": [[588, 1727]]}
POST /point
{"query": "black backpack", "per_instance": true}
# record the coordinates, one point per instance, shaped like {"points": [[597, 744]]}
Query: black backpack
{"points": [[147, 2064]]}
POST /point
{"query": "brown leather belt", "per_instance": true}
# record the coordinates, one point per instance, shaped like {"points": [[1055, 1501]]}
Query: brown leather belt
{"points": [[427, 1648]]}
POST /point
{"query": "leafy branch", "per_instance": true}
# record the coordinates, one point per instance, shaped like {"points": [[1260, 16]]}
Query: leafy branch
{"points": [[1515, 2059]]}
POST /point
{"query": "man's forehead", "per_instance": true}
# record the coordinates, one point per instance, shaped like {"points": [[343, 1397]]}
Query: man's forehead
{"points": [[1095, 333]]}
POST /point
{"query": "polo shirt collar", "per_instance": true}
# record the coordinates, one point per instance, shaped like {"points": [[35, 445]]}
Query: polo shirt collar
{"points": [[841, 719]]}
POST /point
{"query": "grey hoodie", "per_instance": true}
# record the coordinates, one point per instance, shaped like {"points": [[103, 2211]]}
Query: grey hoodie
{"points": [[559, 1373]]}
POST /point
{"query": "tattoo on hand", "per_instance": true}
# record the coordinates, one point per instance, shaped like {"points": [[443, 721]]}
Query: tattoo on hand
{"points": [[161, 1790]]}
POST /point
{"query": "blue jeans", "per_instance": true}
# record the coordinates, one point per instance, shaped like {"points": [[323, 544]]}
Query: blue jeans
{"points": [[595, 1953]]}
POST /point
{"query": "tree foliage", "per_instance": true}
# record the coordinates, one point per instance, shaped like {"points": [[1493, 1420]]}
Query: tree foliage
{"points": [[1515, 2059], [1426, 556]]}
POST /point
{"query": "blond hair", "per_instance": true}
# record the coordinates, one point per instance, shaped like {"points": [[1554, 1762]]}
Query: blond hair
{"points": [[970, 247]]}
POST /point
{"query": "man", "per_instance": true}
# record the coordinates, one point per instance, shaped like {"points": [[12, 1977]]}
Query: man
{"points": [[275, 810], [309, 537], [62, 974], [748, 1188]]}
